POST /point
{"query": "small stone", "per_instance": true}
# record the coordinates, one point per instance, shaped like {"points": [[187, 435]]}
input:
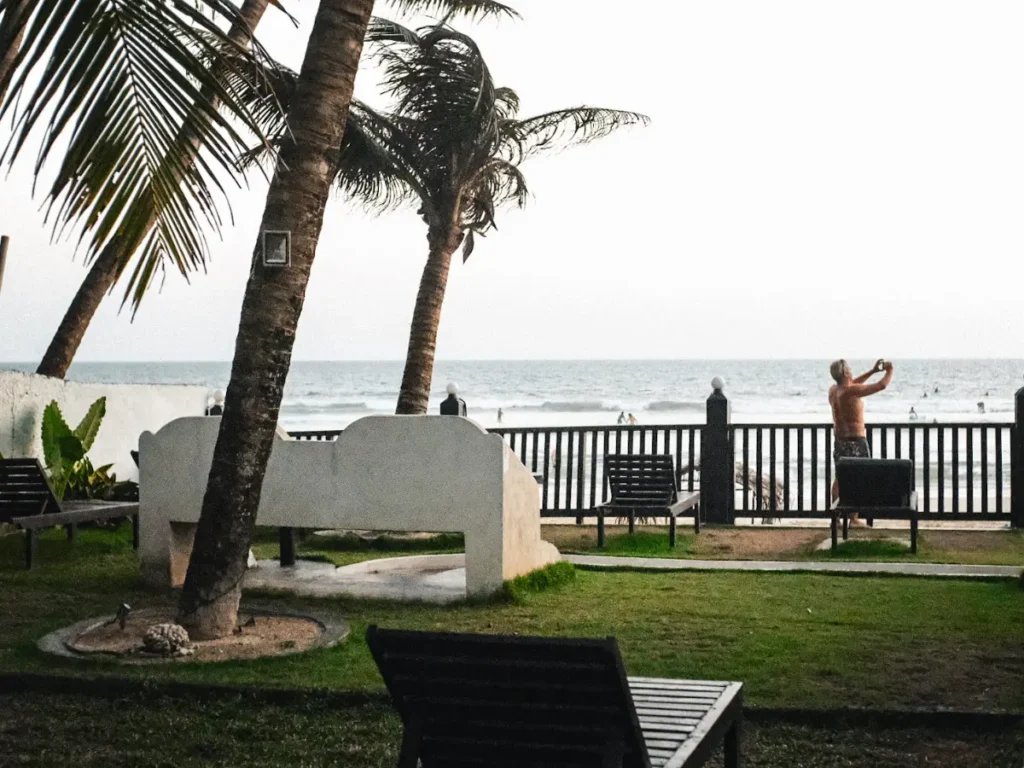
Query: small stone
{"points": [[167, 640]]}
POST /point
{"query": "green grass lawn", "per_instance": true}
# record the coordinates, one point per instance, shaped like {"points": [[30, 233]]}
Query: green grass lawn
{"points": [[39, 730], [796, 640]]}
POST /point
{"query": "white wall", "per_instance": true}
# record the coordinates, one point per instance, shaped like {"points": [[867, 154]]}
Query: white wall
{"points": [[131, 410], [401, 473]]}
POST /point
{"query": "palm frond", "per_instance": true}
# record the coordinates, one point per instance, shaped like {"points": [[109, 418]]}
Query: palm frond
{"points": [[133, 86], [563, 128], [373, 167], [447, 9]]}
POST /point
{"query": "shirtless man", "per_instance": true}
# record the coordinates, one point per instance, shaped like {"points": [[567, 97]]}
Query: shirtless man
{"points": [[846, 398]]}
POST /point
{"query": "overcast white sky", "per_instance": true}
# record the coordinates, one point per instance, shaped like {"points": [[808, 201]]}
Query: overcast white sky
{"points": [[821, 179]]}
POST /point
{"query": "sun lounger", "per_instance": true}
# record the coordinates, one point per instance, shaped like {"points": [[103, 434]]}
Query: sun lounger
{"points": [[504, 701], [879, 489]]}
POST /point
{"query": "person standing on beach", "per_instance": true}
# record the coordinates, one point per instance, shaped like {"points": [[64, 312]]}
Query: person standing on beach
{"points": [[622, 418], [846, 397], [500, 414], [631, 420]]}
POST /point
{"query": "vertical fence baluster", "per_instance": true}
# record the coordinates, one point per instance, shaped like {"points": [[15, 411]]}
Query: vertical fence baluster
{"points": [[999, 470], [912, 437], [814, 469], [954, 470], [536, 439], [558, 468], [746, 469], [771, 470], [593, 470], [941, 497], [800, 469], [759, 487], [679, 455], [984, 470], [580, 475], [927, 469], [828, 467], [970, 469], [899, 442], [692, 459], [785, 467], [547, 468], [629, 440], [569, 464], [522, 449]]}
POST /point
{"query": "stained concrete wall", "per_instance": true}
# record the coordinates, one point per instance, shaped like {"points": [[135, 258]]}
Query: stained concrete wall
{"points": [[131, 410], [403, 473]]}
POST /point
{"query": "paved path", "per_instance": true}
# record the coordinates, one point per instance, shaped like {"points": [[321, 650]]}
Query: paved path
{"points": [[905, 569]]}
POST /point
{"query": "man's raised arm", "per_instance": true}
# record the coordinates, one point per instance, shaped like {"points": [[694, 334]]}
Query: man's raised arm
{"points": [[865, 376], [863, 390]]}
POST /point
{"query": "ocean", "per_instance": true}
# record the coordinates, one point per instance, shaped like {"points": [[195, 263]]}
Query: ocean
{"points": [[330, 395]]}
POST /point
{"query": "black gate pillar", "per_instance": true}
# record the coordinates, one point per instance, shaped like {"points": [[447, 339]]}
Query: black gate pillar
{"points": [[717, 482], [1017, 462]]}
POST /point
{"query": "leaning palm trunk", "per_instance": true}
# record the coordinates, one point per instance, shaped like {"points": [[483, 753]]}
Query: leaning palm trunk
{"points": [[270, 313], [110, 262], [414, 396]]}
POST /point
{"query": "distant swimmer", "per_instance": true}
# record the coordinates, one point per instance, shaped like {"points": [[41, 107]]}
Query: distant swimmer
{"points": [[981, 407], [913, 414], [924, 395], [936, 391], [622, 418], [500, 414], [631, 420]]}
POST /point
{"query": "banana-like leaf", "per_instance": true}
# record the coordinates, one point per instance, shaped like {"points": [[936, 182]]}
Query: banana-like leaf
{"points": [[54, 428], [71, 449], [90, 424]]}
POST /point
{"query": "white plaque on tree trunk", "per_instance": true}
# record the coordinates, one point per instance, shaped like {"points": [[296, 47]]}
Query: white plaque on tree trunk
{"points": [[277, 248]]}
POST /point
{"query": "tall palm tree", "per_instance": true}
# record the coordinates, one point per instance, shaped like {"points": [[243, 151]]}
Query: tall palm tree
{"points": [[452, 145], [317, 115]]}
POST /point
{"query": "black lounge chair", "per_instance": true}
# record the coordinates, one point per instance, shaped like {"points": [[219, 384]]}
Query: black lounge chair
{"points": [[646, 484], [528, 702], [879, 489], [27, 501]]}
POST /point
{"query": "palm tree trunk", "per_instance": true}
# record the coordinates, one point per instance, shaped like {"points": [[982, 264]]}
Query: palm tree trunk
{"points": [[414, 396], [270, 313], [108, 265], [12, 31]]}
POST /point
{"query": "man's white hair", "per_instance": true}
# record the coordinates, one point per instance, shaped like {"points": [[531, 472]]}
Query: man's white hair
{"points": [[838, 370]]}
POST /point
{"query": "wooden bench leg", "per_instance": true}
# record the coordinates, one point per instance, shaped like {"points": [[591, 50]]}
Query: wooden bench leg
{"points": [[411, 740], [696, 519], [632, 521], [672, 531], [846, 527], [732, 744], [600, 530], [286, 544], [913, 536], [135, 532], [31, 547], [835, 532], [70, 530], [614, 750]]}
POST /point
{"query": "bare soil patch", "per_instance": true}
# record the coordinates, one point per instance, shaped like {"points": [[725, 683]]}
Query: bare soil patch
{"points": [[259, 636]]}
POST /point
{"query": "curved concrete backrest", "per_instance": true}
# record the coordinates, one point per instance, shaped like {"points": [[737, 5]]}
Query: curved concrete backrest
{"points": [[415, 473]]}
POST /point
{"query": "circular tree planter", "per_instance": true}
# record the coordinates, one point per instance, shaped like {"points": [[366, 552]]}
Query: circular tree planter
{"points": [[262, 633]]}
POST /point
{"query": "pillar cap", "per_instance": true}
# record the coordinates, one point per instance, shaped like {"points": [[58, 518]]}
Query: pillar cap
{"points": [[717, 384]]}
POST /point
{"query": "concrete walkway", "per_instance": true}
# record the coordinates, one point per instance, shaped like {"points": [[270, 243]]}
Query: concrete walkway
{"points": [[777, 566]]}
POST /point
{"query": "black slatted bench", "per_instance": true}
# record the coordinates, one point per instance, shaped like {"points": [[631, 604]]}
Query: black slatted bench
{"points": [[646, 484], [506, 701], [878, 489], [27, 502]]}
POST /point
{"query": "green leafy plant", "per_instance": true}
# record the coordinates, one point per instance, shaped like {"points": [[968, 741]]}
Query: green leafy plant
{"points": [[72, 473]]}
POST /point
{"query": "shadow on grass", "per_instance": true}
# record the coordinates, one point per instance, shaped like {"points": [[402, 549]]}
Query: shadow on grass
{"points": [[644, 544]]}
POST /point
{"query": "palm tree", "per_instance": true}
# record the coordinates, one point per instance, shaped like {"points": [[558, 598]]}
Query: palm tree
{"points": [[317, 115], [452, 145]]}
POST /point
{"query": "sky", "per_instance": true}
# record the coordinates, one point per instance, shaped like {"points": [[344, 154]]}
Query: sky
{"points": [[820, 179]]}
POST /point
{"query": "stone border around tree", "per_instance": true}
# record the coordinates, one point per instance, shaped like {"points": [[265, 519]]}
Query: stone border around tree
{"points": [[333, 630]]}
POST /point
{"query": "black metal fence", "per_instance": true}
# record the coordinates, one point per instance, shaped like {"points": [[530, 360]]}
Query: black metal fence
{"points": [[963, 471]]}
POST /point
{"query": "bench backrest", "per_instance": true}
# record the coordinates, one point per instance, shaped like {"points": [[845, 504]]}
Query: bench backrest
{"points": [[874, 482], [504, 699], [641, 480], [24, 489]]}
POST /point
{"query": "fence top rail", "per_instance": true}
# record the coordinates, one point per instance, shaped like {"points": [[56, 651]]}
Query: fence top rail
{"points": [[601, 428], [879, 425]]}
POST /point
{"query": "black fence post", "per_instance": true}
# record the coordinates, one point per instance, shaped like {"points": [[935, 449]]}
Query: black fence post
{"points": [[716, 461], [1017, 462]]}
